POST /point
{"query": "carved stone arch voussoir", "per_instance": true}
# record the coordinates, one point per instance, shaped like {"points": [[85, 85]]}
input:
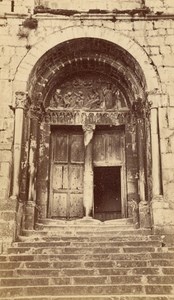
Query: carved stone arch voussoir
{"points": [[106, 34]]}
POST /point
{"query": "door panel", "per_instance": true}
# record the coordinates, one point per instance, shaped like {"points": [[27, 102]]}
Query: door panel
{"points": [[67, 168], [108, 148], [99, 148], [60, 152], [76, 207], [60, 176], [76, 146], [76, 177], [59, 205], [112, 144]]}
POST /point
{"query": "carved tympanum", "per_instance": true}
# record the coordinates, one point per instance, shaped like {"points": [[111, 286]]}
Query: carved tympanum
{"points": [[88, 93]]}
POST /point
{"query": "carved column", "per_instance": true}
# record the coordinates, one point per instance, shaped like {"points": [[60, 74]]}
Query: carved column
{"points": [[141, 158], [157, 203], [144, 210], [88, 196], [20, 105], [140, 109], [156, 171], [33, 161]]}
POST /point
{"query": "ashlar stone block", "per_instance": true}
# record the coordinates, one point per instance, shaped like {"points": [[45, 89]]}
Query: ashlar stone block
{"points": [[171, 117], [168, 161]]}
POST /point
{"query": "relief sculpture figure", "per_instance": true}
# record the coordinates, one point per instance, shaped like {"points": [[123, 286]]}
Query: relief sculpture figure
{"points": [[57, 100], [108, 97]]}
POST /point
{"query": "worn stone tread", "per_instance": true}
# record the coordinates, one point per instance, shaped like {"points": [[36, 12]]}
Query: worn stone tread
{"points": [[100, 271], [130, 289], [88, 257], [87, 280], [96, 297], [33, 237], [89, 233], [85, 250], [36, 244]]}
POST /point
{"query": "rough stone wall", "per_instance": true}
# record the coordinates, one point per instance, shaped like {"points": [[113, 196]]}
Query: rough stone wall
{"points": [[27, 6], [154, 34], [19, 6]]}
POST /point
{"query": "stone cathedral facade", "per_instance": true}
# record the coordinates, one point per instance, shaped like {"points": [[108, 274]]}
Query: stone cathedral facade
{"points": [[86, 112]]}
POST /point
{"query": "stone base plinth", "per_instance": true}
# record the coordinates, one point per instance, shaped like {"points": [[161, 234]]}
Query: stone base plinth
{"points": [[162, 216], [144, 215], [7, 222], [30, 215]]}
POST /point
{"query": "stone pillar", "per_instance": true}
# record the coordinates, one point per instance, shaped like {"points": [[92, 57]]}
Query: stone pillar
{"points": [[144, 209], [141, 158], [20, 105], [88, 196], [157, 203], [156, 163]]}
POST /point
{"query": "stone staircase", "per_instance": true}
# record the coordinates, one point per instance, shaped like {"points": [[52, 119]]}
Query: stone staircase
{"points": [[87, 259]]}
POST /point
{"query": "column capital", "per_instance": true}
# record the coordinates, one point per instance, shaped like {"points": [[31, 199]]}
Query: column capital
{"points": [[21, 100]]}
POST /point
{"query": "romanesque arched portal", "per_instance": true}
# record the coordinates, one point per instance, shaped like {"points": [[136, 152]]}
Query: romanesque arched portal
{"points": [[88, 123], [86, 130]]}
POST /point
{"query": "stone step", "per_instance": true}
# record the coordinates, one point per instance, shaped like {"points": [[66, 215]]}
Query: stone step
{"points": [[84, 228], [87, 222], [86, 264], [87, 257], [87, 272], [34, 236], [87, 261], [93, 244], [109, 289], [85, 250], [89, 233], [93, 297], [87, 280]]}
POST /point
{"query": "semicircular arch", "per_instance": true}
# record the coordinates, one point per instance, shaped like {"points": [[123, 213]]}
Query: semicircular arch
{"points": [[104, 33]]}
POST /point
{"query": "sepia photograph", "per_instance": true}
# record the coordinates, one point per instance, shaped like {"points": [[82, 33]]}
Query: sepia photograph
{"points": [[87, 150]]}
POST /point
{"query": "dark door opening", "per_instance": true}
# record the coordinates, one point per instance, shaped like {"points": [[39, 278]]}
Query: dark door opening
{"points": [[107, 193]]}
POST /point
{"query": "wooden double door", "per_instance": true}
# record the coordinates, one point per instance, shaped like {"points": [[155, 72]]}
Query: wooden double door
{"points": [[68, 167]]}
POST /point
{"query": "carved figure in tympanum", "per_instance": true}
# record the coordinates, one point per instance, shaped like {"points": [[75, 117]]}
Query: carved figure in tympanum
{"points": [[89, 92]]}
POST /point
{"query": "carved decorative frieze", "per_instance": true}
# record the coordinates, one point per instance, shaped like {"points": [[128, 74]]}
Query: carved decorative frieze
{"points": [[77, 117], [89, 93]]}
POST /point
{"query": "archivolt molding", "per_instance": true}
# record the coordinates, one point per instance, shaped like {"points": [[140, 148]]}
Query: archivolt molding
{"points": [[75, 32]]}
